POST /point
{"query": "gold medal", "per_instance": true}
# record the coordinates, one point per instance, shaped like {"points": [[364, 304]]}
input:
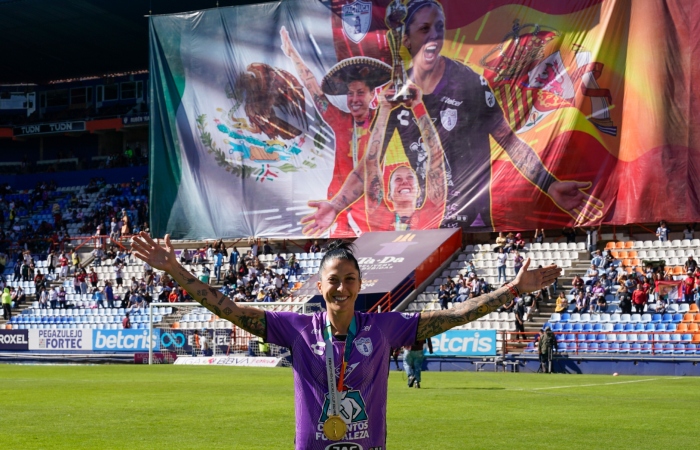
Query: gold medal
{"points": [[334, 428]]}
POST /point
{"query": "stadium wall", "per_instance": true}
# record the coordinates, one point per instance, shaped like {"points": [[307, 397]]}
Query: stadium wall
{"points": [[75, 178]]}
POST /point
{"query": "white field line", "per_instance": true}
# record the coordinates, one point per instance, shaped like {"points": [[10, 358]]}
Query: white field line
{"points": [[592, 385]]}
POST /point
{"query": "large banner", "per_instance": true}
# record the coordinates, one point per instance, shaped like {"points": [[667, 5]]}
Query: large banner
{"points": [[465, 343], [338, 117]]}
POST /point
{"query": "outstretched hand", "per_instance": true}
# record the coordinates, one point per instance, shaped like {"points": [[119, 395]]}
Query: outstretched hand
{"points": [[572, 198], [533, 280], [157, 256], [320, 220]]}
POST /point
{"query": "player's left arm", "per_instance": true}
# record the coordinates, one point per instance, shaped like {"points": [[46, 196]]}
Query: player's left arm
{"points": [[570, 196], [435, 322]]}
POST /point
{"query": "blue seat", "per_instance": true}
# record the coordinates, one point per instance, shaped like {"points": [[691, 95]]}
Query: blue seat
{"points": [[570, 337], [686, 337], [581, 337], [679, 349], [600, 337], [583, 347], [556, 327], [591, 337], [658, 348], [677, 318], [667, 318], [646, 348], [565, 317], [625, 347], [587, 327], [660, 327], [561, 347], [649, 327], [629, 326], [530, 347], [656, 318], [691, 349], [668, 349], [670, 327], [567, 327], [577, 327], [603, 347], [639, 326], [571, 347], [597, 327], [635, 348], [614, 347], [619, 327]]}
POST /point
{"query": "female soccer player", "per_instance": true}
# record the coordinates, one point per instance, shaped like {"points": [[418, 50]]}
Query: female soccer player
{"points": [[466, 116], [340, 356]]}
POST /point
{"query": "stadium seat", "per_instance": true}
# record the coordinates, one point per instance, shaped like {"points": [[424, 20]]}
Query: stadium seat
{"points": [[586, 347], [618, 327], [614, 348], [557, 327], [561, 347], [650, 327], [576, 327], [670, 327], [597, 327], [567, 327], [603, 347], [691, 349], [667, 349]]}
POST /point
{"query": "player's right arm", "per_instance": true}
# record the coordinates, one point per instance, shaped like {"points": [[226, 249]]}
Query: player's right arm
{"points": [[305, 74], [163, 258]]}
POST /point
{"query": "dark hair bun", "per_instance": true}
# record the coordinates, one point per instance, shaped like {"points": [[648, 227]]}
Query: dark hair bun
{"points": [[340, 244]]}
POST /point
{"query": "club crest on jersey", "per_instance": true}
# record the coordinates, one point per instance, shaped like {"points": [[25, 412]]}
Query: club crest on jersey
{"points": [[490, 99], [364, 345], [319, 348], [357, 17], [448, 118]]}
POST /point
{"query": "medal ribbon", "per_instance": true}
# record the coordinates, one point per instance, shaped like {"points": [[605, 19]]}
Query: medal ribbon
{"points": [[333, 390]]}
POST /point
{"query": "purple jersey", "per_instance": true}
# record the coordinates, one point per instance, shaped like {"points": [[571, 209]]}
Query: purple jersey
{"points": [[363, 403]]}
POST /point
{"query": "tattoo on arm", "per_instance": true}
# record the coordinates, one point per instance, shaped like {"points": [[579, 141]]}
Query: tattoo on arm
{"points": [[435, 322], [437, 179], [523, 156]]}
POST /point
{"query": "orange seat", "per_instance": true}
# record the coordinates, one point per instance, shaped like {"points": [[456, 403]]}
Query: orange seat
{"points": [[688, 317], [636, 262], [626, 262], [696, 337], [176, 325], [697, 318], [693, 327], [619, 245], [609, 245], [682, 327], [622, 254], [615, 254], [629, 244], [677, 270], [628, 269], [8, 326], [694, 308], [632, 254]]}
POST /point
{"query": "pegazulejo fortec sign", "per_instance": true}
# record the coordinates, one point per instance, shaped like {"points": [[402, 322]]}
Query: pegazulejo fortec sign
{"points": [[92, 340]]}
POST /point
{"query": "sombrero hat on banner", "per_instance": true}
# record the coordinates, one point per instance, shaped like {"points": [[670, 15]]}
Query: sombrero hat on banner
{"points": [[372, 72]]}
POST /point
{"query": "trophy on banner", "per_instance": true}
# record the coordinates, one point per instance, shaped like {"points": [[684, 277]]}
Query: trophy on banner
{"points": [[396, 13]]}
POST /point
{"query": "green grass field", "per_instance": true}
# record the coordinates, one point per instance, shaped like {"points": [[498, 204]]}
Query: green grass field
{"points": [[186, 407]]}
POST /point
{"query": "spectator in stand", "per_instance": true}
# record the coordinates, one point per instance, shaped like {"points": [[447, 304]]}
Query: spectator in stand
{"points": [[598, 290], [607, 283], [93, 278], [662, 231], [443, 297], [53, 297], [562, 304], [660, 307], [294, 267], [500, 242], [254, 249], [501, 259], [98, 255], [689, 232], [539, 235], [639, 299], [6, 304], [204, 274], [582, 301], [82, 279], [591, 275], [62, 304], [690, 265], [109, 294], [218, 262], [76, 284], [233, 259], [689, 288], [185, 257], [118, 275], [570, 235], [518, 261], [63, 262], [126, 322], [209, 252], [98, 297], [463, 292], [43, 298], [519, 243], [610, 260], [601, 304], [598, 259], [315, 248], [267, 248], [519, 311], [75, 259], [592, 235]]}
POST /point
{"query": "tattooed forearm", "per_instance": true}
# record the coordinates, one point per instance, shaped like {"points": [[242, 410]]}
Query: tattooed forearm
{"points": [[435, 322], [250, 319], [523, 156], [437, 179]]}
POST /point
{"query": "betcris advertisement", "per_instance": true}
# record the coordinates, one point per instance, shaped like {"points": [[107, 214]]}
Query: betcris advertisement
{"points": [[465, 343], [124, 340]]}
